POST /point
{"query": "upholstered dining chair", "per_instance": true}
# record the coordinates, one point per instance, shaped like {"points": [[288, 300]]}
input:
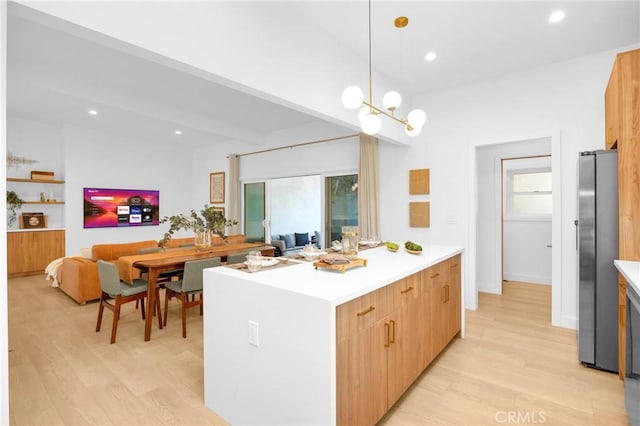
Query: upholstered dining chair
{"points": [[115, 293], [190, 284], [236, 258]]}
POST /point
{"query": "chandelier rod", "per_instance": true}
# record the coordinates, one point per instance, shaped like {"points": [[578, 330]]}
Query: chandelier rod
{"points": [[370, 72], [381, 111]]}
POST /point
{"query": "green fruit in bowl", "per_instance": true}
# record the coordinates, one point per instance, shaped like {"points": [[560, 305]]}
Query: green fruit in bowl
{"points": [[410, 245], [392, 246]]}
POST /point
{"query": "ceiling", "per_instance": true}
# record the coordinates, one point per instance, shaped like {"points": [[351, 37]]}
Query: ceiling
{"points": [[56, 77]]}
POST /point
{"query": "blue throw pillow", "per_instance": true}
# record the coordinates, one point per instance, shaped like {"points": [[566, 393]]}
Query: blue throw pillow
{"points": [[275, 237], [289, 240], [302, 239]]}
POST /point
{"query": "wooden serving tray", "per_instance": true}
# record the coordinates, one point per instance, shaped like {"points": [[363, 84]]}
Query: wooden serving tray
{"points": [[342, 266]]}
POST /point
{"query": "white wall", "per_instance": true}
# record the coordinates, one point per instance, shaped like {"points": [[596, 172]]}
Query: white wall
{"points": [[489, 217], [563, 101], [106, 161], [44, 143], [527, 256], [4, 329]]}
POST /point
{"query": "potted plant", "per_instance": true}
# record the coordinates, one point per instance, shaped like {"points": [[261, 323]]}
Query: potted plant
{"points": [[209, 220], [14, 203]]}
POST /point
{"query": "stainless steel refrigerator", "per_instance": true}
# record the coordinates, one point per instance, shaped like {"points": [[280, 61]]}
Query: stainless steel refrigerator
{"points": [[597, 248]]}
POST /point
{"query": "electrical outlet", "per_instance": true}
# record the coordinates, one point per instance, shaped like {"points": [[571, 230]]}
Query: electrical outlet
{"points": [[254, 333]]}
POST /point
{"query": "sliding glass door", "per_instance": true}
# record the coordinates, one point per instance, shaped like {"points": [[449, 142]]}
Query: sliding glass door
{"points": [[254, 211], [341, 205]]}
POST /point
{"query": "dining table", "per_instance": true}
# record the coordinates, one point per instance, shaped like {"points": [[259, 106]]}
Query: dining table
{"points": [[154, 264]]}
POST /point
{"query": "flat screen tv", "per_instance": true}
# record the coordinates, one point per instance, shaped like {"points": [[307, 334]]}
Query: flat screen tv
{"points": [[105, 208]]}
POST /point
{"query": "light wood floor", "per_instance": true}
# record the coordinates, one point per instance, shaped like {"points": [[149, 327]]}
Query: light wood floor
{"points": [[512, 365]]}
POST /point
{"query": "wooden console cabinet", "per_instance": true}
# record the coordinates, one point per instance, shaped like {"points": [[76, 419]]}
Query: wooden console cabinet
{"points": [[622, 131], [386, 338], [29, 252]]}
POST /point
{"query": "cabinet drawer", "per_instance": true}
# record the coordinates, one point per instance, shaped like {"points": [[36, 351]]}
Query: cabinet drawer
{"points": [[403, 291], [360, 313]]}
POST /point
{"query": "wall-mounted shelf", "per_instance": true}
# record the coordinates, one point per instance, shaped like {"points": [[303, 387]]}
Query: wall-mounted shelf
{"points": [[43, 202], [53, 181]]}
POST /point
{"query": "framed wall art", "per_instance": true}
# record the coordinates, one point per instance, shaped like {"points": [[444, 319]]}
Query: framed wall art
{"points": [[216, 187], [419, 181]]}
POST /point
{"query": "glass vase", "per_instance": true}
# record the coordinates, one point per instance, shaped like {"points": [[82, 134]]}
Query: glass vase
{"points": [[202, 240]]}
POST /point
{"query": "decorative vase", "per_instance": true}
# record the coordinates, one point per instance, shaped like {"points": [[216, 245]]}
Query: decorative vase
{"points": [[202, 240]]}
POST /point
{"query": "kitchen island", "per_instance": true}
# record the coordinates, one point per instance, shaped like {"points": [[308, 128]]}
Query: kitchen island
{"points": [[299, 345]]}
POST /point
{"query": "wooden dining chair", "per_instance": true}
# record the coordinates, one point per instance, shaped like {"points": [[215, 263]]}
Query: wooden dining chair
{"points": [[190, 284], [115, 293]]}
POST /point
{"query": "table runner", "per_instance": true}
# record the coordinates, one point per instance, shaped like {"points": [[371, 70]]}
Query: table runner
{"points": [[127, 271], [125, 263]]}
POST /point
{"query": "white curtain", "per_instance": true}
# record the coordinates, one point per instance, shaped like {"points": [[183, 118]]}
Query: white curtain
{"points": [[233, 212], [368, 189]]}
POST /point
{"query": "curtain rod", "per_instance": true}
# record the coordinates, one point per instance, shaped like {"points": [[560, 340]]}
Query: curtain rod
{"points": [[300, 144]]}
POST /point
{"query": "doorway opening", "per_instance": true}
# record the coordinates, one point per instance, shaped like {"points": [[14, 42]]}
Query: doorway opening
{"points": [[527, 209], [488, 252]]}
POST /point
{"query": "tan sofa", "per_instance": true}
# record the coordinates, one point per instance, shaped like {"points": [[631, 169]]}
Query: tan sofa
{"points": [[78, 276]]}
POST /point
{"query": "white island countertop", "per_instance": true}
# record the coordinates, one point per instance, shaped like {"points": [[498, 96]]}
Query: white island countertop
{"points": [[336, 287], [630, 270], [270, 336]]}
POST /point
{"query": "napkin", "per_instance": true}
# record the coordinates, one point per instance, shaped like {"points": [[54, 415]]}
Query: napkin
{"points": [[334, 259]]}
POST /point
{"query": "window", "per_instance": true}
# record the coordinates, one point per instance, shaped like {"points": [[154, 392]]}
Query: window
{"points": [[527, 188], [529, 193]]}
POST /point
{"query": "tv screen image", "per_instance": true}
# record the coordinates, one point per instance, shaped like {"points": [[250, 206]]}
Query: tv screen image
{"points": [[105, 208]]}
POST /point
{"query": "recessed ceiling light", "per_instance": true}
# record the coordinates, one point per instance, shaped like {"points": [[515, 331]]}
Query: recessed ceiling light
{"points": [[556, 16], [431, 56], [178, 132], [93, 112]]}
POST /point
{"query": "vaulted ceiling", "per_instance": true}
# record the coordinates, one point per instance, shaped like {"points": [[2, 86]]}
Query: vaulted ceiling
{"points": [[54, 76]]}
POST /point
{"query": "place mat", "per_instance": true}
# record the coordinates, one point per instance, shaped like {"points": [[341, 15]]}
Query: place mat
{"points": [[283, 263]]}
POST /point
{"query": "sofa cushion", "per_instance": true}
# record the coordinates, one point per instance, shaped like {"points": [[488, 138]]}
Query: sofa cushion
{"points": [[302, 239], [114, 251], [289, 240], [276, 237]]}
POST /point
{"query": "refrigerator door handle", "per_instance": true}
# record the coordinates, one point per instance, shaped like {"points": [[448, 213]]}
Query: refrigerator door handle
{"points": [[575, 222]]}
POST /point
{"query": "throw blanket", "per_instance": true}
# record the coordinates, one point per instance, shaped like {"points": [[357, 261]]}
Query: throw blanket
{"points": [[51, 271]]}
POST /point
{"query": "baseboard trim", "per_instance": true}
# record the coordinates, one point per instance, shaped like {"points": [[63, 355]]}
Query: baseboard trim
{"points": [[534, 279]]}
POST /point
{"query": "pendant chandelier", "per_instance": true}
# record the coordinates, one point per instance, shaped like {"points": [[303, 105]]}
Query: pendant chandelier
{"points": [[369, 115]]}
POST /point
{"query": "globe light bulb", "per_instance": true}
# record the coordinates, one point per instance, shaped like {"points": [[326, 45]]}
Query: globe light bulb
{"points": [[352, 97], [391, 100], [371, 124], [415, 131], [417, 118], [363, 113]]}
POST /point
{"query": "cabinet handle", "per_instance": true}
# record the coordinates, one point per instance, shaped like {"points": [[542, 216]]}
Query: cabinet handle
{"points": [[443, 294], [407, 290], [387, 329], [393, 331], [448, 293], [455, 265], [366, 311], [435, 275]]}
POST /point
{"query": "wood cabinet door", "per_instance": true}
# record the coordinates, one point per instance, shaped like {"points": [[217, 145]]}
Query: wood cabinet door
{"points": [[361, 363], [453, 303], [439, 313], [612, 109], [403, 338], [29, 252], [361, 386]]}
